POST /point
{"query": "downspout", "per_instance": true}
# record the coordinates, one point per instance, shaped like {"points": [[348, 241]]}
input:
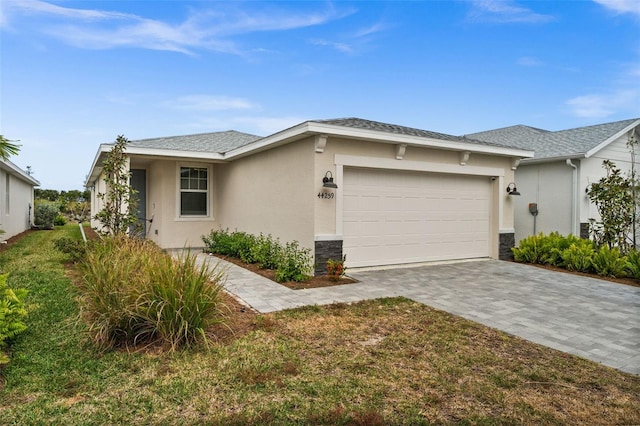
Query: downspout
{"points": [[574, 195]]}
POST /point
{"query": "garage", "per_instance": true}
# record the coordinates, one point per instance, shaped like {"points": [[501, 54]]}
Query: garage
{"points": [[393, 217]]}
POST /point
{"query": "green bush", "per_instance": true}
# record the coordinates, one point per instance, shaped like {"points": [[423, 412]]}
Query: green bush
{"points": [[12, 314], [530, 249], [554, 245], [608, 262], [59, 220], [578, 256], [74, 248], [294, 263], [633, 264], [266, 251], [45, 214], [132, 291]]}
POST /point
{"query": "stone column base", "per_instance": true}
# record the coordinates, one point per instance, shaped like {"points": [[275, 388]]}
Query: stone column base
{"points": [[325, 250], [507, 242]]}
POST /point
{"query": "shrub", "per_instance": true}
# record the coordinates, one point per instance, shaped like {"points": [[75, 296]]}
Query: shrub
{"points": [[336, 269], [242, 244], [607, 262], [45, 214], [59, 220], [294, 263], [530, 249], [553, 246], [633, 264], [132, 291], [218, 242], [578, 256], [266, 251], [75, 249], [182, 301], [12, 314]]}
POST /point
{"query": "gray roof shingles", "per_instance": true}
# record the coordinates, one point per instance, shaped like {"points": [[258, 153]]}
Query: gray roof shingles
{"points": [[359, 123], [217, 142], [546, 144]]}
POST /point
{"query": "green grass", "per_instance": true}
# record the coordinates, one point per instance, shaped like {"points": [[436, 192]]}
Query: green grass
{"points": [[389, 361]]}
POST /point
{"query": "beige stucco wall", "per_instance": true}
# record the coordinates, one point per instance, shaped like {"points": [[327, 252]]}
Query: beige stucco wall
{"points": [[325, 210], [15, 214], [272, 192]]}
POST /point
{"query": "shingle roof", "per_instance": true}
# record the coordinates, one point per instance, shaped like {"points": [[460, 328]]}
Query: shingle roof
{"points": [[359, 123], [546, 144], [219, 142]]}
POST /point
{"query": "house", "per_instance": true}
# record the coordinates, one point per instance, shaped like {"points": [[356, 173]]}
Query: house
{"points": [[555, 181], [16, 199], [381, 194]]}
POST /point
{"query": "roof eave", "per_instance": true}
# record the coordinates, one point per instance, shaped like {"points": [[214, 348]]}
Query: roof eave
{"points": [[18, 172], [575, 156], [311, 127], [612, 138], [96, 167]]}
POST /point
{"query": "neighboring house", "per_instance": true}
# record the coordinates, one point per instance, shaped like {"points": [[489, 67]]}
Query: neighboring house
{"points": [[566, 162], [399, 195], [16, 199]]}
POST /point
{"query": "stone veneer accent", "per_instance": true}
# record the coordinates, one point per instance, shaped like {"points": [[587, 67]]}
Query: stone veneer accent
{"points": [[326, 250], [584, 230], [507, 241]]}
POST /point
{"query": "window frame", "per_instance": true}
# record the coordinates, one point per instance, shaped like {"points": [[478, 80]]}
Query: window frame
{"points": [[180, 191]]}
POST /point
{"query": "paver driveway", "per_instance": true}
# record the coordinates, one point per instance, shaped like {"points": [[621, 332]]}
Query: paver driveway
{"points": [[592, 318]]}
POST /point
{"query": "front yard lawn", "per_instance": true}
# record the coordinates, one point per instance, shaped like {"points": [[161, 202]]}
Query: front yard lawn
{"points": [[389, 361]]}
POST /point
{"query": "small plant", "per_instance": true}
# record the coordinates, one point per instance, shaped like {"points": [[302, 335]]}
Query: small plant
{"points": [[266, 251], [633, 264], [75, 249], [59, 220], [530, 249], [608, 262], [336, 269], [45, 215], [579, 256], [12, 314], [294, 263]]}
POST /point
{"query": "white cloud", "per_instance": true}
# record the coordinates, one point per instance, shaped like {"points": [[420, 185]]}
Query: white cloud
{"points": [[529, 61], [257, 125], [203, 29], [621, 6], [342, 47], [504, 11], [604, 105], [209, 103]]}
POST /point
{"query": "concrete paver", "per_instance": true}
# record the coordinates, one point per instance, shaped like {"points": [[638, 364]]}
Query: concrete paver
{"points": [[592, 318]]}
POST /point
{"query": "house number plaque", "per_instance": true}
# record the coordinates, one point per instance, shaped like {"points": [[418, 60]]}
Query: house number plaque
{"points": [[326, 195]]}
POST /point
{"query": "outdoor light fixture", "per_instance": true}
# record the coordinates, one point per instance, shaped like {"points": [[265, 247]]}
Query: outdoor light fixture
{"points": [[327, 181], [512, 190]]}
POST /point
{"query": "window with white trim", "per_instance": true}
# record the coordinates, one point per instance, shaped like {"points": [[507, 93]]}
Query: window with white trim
{"points": [[194, 191]]}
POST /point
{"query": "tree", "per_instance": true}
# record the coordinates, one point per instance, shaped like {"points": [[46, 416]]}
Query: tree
{"points": [[120, 204], [613, 196], [7, 148]]}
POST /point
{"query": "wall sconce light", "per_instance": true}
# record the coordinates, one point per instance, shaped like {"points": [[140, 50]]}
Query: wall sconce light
{"points": [[512, 190], [327, 181]]}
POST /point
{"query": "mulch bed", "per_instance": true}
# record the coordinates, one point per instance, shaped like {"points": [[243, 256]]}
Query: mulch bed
{"points": [[626, 281], [314, 282]]}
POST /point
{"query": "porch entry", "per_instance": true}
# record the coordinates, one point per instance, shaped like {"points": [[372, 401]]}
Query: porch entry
{"points": [[139, 184]]}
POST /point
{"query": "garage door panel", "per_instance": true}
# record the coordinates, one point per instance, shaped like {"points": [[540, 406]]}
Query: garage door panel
{"points": [[401, 217]]}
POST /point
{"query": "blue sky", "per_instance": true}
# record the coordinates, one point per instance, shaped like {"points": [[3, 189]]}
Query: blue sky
{"points": [[75, 74]]}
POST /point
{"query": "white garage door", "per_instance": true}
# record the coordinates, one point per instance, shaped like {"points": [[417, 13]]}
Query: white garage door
{"points": [[393, 217]]}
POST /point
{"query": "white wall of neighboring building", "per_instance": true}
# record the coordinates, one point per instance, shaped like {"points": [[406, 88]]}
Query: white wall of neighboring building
{"points": [[16, 200], [550, 186]]}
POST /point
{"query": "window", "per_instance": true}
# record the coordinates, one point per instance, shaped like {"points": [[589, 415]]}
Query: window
{"points": [[194, 191]]}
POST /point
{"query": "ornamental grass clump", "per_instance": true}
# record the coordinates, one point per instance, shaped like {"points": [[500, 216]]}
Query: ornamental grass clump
{"points": [[132, 292]]}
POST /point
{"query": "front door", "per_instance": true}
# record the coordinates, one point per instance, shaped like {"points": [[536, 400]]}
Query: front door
{"points": [[139, 184]]}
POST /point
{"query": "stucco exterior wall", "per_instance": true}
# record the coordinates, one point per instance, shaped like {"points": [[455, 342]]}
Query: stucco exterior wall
{"points": [[168, 229], [550, 186], [16, 205], [272, 192], [325, 210]]}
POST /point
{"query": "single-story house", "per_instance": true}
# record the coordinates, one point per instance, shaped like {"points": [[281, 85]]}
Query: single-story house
{"points": [[381, 194], [555, 181], [16, 199]]}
